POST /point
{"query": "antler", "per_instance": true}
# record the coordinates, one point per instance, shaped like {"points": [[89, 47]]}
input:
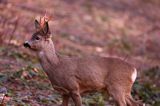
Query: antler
{"points": [[44, 19]]}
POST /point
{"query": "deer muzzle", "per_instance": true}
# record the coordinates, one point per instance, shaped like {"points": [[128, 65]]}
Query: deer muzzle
{"points": [[26, 44]]}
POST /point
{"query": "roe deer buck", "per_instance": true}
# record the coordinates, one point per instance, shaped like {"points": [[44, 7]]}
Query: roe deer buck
{"points": [[74, 76]]}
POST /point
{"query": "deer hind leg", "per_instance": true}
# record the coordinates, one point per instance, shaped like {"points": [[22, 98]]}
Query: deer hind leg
{"points": [[76, 98], [131, 102], [118, 96], [65, 100]]}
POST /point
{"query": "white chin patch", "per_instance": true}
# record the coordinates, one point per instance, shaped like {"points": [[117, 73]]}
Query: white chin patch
{"points": [[134, 75]]}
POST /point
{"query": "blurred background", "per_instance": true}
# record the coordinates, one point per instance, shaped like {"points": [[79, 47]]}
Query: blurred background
{"points": [[129, 29]]}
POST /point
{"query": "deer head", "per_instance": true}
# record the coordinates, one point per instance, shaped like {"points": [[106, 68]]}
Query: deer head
{"points": [[41, 36]]}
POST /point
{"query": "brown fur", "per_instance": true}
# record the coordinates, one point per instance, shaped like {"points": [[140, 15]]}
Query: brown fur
{"points": [[74, 76]]}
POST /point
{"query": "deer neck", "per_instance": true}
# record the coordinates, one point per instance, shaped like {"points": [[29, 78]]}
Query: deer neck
{"points": [[48, 58]]}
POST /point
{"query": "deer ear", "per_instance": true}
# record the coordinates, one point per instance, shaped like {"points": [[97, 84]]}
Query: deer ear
{"points": [[46, 28], [37, 25]]}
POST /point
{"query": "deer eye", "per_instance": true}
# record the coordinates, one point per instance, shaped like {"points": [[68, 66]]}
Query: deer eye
{"points": [[37, 38]]}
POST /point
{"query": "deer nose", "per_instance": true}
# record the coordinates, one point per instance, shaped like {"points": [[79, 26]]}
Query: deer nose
{"points": [[26, 44]]}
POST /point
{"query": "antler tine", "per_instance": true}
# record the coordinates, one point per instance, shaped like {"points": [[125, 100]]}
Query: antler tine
{"points": [[44, 19], [47, 17]]}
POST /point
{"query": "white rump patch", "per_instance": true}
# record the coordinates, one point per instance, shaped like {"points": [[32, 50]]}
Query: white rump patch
{"points": [[134, 75]]}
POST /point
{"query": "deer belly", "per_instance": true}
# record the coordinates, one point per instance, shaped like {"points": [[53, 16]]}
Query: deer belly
{"points": [[91, 83]]}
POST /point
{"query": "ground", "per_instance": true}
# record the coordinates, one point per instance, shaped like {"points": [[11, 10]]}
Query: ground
{"points": [[129, 29]]}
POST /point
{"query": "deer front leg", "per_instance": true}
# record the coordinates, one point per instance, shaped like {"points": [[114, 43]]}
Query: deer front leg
{"points": [[65, 100], [76, 98]]}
